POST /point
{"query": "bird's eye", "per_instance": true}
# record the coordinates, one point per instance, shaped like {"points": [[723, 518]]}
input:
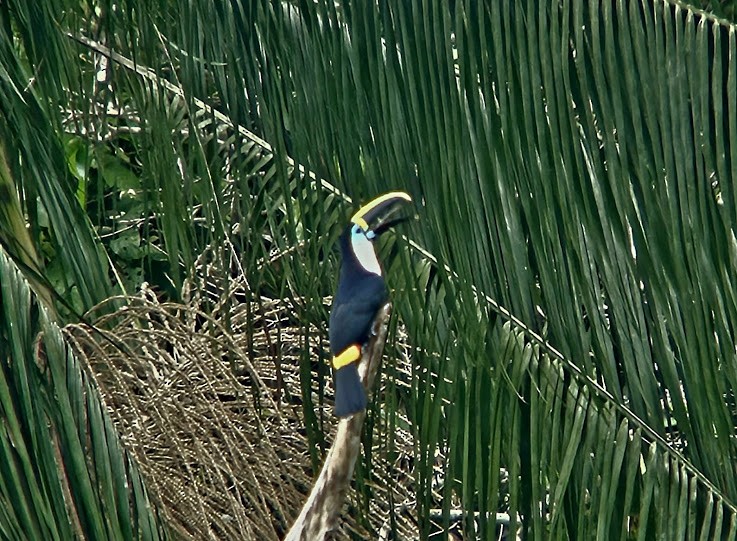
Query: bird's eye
{"points": [[357, 229]]}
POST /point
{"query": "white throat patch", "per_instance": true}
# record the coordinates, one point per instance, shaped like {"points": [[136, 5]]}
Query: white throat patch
{"points": [[364, 250]]}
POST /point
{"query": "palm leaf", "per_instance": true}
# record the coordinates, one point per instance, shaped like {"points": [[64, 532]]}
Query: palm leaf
{"points": [[65, 473], [568, 298], [33, 81]]}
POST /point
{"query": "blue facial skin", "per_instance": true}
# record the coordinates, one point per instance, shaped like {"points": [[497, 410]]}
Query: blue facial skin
{"points": [[357, 230]]}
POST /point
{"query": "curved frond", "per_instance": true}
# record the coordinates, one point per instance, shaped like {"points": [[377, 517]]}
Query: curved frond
{"points": [[65, 473], [567, 293]]}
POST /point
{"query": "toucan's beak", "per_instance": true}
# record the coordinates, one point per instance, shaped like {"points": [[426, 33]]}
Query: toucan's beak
{"points": [[376, 215]]}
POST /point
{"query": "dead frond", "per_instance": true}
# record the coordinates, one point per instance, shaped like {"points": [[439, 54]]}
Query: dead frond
{"points": [[214, 417]]}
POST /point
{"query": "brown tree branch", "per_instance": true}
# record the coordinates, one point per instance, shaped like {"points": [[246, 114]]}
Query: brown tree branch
{"points": [[320, 513]]}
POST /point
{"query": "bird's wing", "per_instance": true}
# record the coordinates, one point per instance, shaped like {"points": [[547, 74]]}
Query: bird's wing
{"points": [[351, 318]]}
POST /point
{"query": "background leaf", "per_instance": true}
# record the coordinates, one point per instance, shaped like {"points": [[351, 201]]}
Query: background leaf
{"points": [[565, 303]]}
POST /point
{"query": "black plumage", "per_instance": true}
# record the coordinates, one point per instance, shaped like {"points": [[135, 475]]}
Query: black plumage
{"points": [[359, 297]]}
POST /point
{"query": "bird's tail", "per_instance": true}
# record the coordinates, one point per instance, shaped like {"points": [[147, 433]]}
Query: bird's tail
{"points": [[350, 396]]}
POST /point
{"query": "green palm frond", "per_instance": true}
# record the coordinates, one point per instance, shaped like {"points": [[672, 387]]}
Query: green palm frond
{"points": [[567, 293], [65, 474], [33, 82]]}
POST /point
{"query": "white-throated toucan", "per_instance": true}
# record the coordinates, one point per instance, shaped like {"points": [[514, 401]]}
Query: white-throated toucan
{"points": [[361, 292]]}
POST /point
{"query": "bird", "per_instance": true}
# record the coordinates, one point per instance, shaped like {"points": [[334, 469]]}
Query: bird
{"points": [[320, 512], [360, 293]]}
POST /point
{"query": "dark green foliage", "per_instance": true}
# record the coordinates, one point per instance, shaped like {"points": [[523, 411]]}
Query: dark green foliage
{"points": [[64, 473], [569, 301], [720, 8]]}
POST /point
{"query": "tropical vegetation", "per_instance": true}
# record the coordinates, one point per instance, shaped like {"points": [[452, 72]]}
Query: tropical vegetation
{"points": [[562, 360]]}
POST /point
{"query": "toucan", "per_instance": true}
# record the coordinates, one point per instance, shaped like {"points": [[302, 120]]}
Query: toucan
{"points": [[360, 294]]}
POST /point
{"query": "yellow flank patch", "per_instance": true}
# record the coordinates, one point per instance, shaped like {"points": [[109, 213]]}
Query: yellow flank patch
{"points": [[349, 355]]}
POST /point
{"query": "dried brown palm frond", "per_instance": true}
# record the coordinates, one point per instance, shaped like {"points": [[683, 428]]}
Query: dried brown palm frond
{"points": [[214, 421]]}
